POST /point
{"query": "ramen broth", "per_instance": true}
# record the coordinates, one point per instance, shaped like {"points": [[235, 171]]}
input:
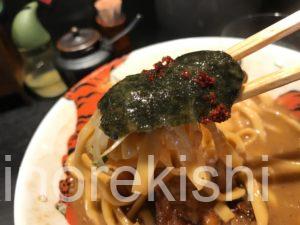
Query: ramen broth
{"points": [[281, 139]]}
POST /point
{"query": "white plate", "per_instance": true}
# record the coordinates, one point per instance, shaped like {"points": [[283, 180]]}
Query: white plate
{"points": [[49, 142]]}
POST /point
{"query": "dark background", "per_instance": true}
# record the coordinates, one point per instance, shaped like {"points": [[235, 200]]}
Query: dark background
{"points": [[17, 123], [62, 14]]}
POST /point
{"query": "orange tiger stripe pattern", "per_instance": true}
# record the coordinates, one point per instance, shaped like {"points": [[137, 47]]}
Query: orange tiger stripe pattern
{"points": [[291, 101], [87, 93]]}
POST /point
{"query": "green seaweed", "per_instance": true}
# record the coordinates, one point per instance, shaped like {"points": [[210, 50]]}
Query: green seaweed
{"points": [[191, 88]]}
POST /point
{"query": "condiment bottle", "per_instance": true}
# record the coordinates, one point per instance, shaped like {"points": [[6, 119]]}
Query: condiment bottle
{"points": [[33, 41], [80, 51], [112, 21]]}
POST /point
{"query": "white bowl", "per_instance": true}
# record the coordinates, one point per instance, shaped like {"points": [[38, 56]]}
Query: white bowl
{"points": [[49, 143]]}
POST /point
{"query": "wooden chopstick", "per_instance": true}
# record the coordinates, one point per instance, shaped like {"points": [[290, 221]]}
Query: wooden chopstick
{"points": [[267, 36], [269, 82]]}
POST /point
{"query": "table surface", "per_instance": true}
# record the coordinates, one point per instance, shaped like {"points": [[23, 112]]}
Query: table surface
{"points": [[16, 129]]}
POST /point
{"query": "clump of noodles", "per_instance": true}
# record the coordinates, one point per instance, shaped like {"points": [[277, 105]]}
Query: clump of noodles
{"points": [[202, 145]]}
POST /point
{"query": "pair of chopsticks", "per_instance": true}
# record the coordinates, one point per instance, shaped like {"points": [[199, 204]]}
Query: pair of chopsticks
{"points": [[259, 40]]}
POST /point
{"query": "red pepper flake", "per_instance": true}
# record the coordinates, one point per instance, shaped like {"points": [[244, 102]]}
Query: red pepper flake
{"points": [[204, 80], [219, 114], [67, 185], [185, 74], [158, 66], [158, 70], [211, 98], [150, 74], [205, 120], [63, 187], [167, 60], [151, 77], [146, 72], [160, 74]]}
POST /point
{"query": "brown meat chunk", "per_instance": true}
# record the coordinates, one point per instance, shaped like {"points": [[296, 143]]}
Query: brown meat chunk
{"points": [[244, 214], [189, 212]]}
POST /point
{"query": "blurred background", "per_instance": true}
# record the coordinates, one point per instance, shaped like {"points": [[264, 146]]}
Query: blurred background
{"points": [[41, 41], [46, 46]]}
